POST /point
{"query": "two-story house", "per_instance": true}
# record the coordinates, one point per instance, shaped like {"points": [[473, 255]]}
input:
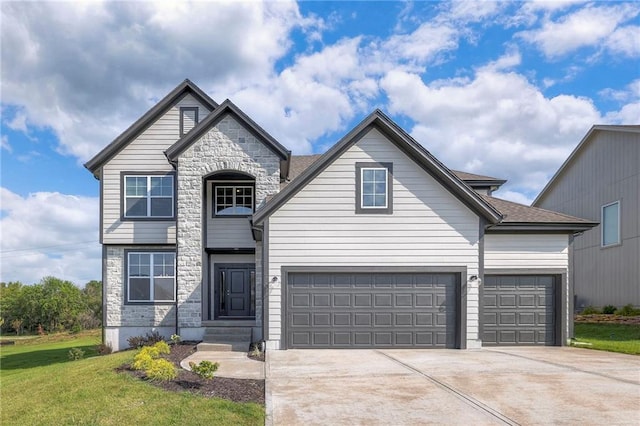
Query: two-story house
{"points": [[211, 229]]}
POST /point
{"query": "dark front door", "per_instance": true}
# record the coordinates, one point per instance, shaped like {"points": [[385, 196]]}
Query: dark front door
{"points": [[235, 290]]}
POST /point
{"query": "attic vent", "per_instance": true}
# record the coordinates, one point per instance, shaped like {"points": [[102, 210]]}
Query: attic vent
{"points": [[188, 119]]}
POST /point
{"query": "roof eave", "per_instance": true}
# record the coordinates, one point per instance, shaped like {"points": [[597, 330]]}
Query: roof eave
{"points": [[541, 226]]}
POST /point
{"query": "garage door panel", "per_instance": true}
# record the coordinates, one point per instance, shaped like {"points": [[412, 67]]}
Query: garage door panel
{"points": [[301, 300], [371, 310], [340, 339], [320, 300], [405, 319], [362, 300], [518, 310]]}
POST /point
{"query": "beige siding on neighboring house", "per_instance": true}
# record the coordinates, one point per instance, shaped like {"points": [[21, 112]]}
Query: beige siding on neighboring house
{"points": [[606, 170], [319, 227], [526, 251], [144, 154]]}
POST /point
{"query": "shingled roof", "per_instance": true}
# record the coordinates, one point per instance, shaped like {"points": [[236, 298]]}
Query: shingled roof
{"points": [[516, 216]]}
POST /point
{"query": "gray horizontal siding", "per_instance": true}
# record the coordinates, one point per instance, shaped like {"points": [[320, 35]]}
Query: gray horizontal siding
{"points": [[607, 169], [144, 154], [318, 226]]}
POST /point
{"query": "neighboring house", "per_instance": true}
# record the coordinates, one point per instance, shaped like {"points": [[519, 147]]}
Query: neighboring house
{"points": [[601, 181], [211, 229]]}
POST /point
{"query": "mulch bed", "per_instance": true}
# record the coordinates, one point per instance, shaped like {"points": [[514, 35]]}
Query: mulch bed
{"points": [[610, 319], [236, 390]]}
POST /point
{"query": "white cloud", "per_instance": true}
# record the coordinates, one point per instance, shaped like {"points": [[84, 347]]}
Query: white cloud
{"points": [[48, 233], [628, 114], [589, 26], [4, 144], [85, 69], [496, 123], [625, 41]]}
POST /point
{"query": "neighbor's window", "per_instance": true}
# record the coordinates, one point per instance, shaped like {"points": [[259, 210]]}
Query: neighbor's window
{"points": [[148, 196], [374, 188], [188, 119], [151, 276], [233, 200], [610, 224]]}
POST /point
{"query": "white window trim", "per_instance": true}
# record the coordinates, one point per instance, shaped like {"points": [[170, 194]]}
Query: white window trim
{"points": [[602, 226], [149, 197], [233, 187], [386, 188], [151, 277]]}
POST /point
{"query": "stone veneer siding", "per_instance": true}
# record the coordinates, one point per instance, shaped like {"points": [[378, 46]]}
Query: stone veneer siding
{"points": [[227, 146], [120, 314]]}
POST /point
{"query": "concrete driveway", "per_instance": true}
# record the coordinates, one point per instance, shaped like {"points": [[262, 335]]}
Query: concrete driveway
{"points": [[489, 386]]}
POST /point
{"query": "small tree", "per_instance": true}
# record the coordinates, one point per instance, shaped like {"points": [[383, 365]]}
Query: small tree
{"points": [[16, 324]]}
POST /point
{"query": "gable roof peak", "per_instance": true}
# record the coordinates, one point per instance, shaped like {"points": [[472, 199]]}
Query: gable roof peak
{"points": [[403, 141], [108, 152], [227, 107]]}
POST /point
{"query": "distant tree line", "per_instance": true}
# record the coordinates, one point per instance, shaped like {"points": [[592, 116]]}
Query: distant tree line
{"points": [[52, 305]]}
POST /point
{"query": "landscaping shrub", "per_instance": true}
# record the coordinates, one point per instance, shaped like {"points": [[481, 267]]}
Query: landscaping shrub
{"points": [[162, 347], [590, 310], [144, 359], [104, 349], [148, 339], [204, 369], [609, 310], [628, 311], [76, 354], [161, 369]]}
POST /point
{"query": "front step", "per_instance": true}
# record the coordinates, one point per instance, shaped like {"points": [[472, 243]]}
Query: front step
{"points": [[226, 338], [223, 347]]}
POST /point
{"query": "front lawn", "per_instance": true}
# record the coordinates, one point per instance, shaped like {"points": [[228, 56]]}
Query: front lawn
{"points": [[623, 338], [39, 385]]}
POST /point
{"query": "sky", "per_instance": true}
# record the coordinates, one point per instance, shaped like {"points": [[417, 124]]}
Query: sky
{"points": [[505, 89]]}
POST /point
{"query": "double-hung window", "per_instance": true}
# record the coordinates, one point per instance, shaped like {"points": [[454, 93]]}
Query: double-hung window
{"points": [[610, 224], [148, 196], [233, 200], [151, 276], [374, 188]]}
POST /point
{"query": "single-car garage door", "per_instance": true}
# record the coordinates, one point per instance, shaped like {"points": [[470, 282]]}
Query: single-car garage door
{"points": [[519, 310], [371, 310]]}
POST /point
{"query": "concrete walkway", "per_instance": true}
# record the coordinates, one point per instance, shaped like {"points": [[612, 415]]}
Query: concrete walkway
{"points": [[550, 385], [234, 365]]}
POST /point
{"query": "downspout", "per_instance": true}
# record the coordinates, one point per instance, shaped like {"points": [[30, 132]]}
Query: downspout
{"points": [[174, 164]]}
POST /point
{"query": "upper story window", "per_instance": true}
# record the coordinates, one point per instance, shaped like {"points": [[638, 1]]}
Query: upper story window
{"points": [[151, 276], [610, 224], [148, 196], [188, 119], [374, 188], [233, 200]]}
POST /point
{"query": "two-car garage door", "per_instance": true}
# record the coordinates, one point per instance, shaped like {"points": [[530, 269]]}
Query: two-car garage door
{"points": [[367, 310]]}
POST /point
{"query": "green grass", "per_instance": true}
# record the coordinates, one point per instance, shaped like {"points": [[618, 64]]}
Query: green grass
{"points": [[623, 338], [40, 386]]}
